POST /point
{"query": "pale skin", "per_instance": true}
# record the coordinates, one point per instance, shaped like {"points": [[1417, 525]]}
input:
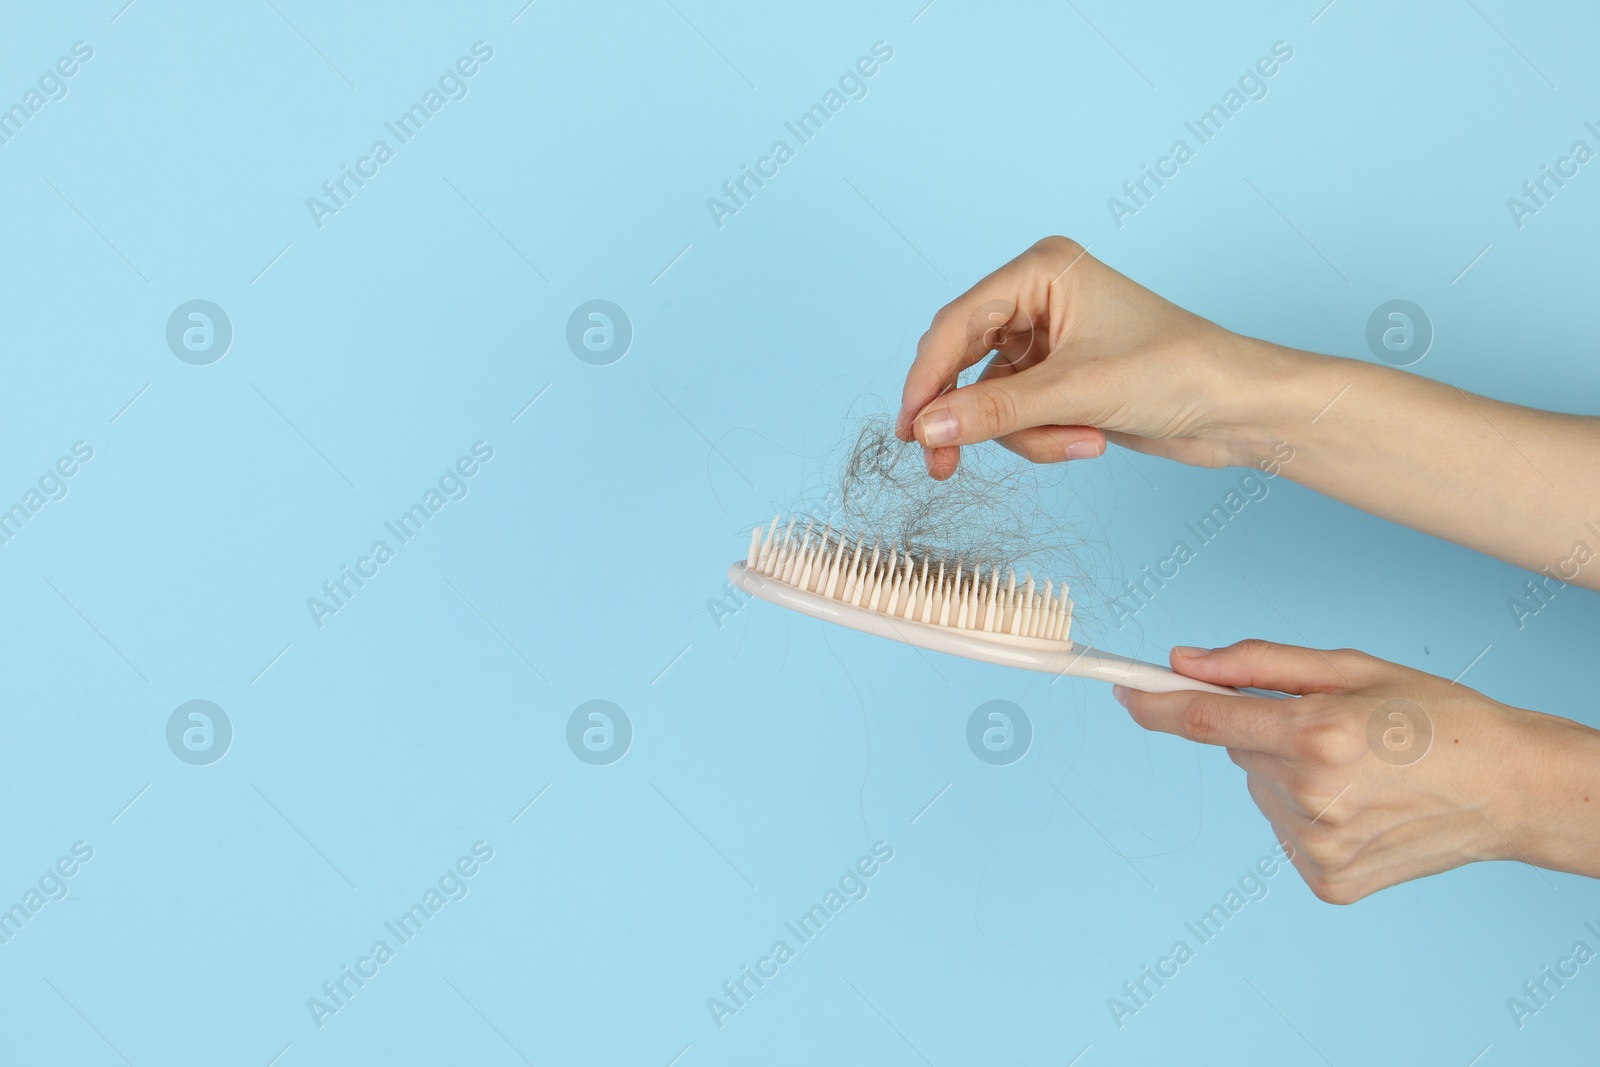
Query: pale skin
{"points": [[1085, 356]]}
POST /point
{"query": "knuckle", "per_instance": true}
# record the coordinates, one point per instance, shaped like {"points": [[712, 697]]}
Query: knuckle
{"points": [[1352, 661], [1312, 743], [1330, 848], [994, 411], [1328, 742], [1056, 245], [1255, 646], [1202, 720], [937, 327], [1319, 851], [1329, 813], [1320, 890], [1333, 890], [1303, 797], [946, 318]]}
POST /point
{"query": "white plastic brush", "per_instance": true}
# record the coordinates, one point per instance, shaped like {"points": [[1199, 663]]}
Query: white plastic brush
{"points": [[956, 607]]}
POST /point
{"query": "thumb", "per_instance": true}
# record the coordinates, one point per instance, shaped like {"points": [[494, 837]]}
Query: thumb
{"points": [[1265, 665], [982, 411]]}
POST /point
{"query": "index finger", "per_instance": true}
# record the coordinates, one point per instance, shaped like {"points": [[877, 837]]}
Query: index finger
{"points": [[1256, 724], [999, 312]]}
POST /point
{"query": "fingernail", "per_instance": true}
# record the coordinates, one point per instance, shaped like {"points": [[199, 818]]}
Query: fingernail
{"points": [[1083, 450], [1190, 652], [1120, 695], [938, 428]]}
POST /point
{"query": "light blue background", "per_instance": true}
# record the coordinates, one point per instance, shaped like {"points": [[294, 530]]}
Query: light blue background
{"points": [[769, 753]]}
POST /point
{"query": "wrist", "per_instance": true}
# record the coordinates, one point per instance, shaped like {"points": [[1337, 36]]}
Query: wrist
{"points": [[1549, 794], [1270, 396]]}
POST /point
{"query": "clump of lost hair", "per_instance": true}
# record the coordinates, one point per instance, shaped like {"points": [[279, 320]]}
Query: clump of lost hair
{"points": [[995, 511]]}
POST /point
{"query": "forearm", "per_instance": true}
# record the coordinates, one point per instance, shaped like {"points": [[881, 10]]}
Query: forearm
{"points": [[1513, 482]]}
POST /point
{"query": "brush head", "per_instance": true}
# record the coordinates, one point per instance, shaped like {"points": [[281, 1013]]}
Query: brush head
{"points": [[950, 606], [859, 571]]}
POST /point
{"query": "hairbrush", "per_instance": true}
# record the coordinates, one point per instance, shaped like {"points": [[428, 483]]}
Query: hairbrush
{"points": [[954, 608]]}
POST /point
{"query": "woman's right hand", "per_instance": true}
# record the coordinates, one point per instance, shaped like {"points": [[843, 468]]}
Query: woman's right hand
{"points": [[1086, 355]]}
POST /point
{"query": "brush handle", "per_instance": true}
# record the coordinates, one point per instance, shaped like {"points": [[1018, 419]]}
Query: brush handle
{"points": [[1028, 653], [1086, 662]]}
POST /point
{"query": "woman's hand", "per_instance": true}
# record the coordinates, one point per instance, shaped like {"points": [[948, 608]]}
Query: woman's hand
{"points": [[1378, 774], [1084, 354]]}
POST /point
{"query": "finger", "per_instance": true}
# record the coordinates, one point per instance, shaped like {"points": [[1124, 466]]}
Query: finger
{"points": [[941, 462], [1257, 764], [1266, 665], [1260, 724], [982, 411], [1008, 304], [1282, 822], [1042, 444], [1269, 774], [1193, 451], [1017, 345], [962, 333], [1053, 444]]}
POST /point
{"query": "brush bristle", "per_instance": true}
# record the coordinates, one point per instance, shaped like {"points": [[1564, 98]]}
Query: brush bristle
{"points": [[858, 570]]}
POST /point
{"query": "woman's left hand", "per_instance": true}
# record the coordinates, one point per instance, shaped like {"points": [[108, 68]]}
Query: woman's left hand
{"points": [[1377, 774]]}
